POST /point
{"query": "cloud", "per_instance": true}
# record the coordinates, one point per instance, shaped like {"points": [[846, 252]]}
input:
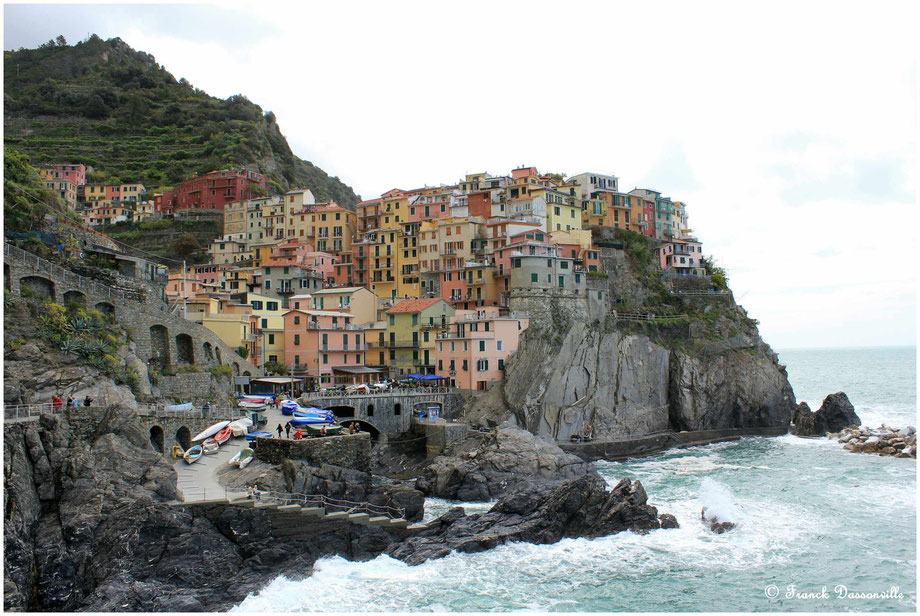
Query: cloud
{"points": [[672, 172], [829, 176]]}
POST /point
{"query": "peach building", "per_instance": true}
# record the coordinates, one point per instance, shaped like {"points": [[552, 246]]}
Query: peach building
{"points": [[326, 347], [473, 351]]}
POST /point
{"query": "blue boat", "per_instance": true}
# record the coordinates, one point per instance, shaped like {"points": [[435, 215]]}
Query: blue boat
{"points": [[307, 421], [254, 435]]}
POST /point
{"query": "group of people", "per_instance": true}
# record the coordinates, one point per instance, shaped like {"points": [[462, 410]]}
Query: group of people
{"points": [[57, 403], [352, 428]]}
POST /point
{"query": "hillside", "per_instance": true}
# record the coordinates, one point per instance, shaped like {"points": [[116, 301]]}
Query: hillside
{"points": [[108, 106]]}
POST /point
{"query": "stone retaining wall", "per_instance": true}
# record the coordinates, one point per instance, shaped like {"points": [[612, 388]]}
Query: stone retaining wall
{"points": [[351, 451], [194, 387], [619, 450]]}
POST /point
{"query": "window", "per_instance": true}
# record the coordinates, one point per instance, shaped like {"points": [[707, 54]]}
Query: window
{"points": [[325, 358], [561, 282], [297, 360], [296, 339], [482, 346], [392, 319], [498, 345], [296, 320], [465, 366], [271, 340]]}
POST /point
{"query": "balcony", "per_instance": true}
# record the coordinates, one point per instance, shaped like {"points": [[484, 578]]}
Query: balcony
{"points": [[344, 348], [401, 344]]}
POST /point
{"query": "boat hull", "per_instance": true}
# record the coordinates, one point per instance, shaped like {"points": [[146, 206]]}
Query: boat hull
{"points": [[211, 430]]}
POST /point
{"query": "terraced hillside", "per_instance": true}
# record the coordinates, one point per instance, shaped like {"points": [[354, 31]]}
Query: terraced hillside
{"points": [[113, 108]]}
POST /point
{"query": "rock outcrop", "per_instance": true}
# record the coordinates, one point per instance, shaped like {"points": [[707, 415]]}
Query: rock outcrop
{"points": [[510, 459], [581, 507], [835, 414]]}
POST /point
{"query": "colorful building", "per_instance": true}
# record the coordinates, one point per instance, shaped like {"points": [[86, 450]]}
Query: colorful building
{"points": [[412, 325]]}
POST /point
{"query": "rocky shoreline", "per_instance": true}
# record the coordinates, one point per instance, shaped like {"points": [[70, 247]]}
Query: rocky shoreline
{"points": [[882, 441]]}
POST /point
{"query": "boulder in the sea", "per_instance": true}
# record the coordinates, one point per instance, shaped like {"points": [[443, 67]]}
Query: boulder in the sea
{"points": [[836, 413], [715, 524], [668, 521], [804, 421]]}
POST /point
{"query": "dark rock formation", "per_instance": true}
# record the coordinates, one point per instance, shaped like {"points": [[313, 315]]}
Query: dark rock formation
{"points": [[804, 421], [579, 507], [836, 413], [714, 523], [512, 458], [668, 521], [351, 485]]}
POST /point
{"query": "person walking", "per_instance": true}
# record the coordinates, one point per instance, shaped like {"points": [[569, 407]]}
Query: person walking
{"points": [[280, 430], [287, 429], [56, 402]]}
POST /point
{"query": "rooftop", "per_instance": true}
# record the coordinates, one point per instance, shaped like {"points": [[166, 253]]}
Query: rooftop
{"points": [[413, 305]]}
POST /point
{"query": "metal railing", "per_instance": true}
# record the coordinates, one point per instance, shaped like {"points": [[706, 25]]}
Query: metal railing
{"points": [[56, 271], [27, 412], [645, 316], [403, 391], [212, 411], [705, 292]]}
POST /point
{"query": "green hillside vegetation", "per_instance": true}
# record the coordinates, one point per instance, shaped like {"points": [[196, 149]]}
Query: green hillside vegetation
{"points": [[166, 240], [108, 106], [26, 200]]}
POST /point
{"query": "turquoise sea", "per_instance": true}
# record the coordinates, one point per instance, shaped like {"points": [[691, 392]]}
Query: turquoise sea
{"points": [[819, 528]]}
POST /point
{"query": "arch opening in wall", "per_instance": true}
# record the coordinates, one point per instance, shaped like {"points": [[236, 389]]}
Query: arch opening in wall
{"points": [[370, 410], [105, 308], [7, 281], [236, 369], [184, 437], [397, 409], [247, 373], [159, 345], [156, 438], [367, 426], [208, 351], [217, 353], [342, 412], [185, 349], [74, 297], [36, 286]]}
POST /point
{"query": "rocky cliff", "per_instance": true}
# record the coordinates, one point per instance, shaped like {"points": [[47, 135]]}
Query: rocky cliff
{"points": [[697, 364]]}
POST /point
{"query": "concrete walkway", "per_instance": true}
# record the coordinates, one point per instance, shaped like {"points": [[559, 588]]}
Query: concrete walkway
{"points": [[198, 481]]}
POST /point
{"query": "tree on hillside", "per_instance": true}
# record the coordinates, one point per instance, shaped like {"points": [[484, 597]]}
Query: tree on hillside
{"points": [[186, 246], [25, 198]]}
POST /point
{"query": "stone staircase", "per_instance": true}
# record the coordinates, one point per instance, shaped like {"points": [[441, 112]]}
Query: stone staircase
{"points": [[288, 517]]}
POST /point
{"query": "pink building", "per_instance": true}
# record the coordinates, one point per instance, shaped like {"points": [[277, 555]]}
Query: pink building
{"points": [[71, 173], [682, 258], [473, 351], [325, 347]]}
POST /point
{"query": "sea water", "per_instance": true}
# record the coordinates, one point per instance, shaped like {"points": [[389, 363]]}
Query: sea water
{"points": [[818, 528]]}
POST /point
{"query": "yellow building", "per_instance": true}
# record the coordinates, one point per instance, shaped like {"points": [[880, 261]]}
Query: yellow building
{"points": [[142, 211], [375, 337], [357, 301], [225, 250], [235, 220], [563, 211], [412, 327], [382, 257], [269, 325]]}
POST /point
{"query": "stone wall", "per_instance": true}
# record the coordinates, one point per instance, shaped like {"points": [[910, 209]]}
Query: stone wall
{"points": [[193, 386], [137, 317], [351, 450]]}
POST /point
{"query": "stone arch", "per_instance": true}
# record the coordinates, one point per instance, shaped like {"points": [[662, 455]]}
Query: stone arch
{"points": [[184, 437], [370, 410], [105, 308], [208, 351], [37, 286], [7, 281], [156, 438], [367, 426], [159, 345], [397, 409], [217, 354], [75, 297], [344, 412], [236, 369], [185, 349]]}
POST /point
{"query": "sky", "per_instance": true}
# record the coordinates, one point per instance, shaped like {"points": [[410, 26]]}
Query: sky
{"points": [[788, 128]]}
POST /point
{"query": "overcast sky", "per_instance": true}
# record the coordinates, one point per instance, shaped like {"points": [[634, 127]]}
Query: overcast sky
{"points": [[789, 128]]}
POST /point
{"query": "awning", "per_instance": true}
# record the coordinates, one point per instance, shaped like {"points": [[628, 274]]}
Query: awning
{"points": [[276, 380], [432, 377], [415, 376], [355, 370]]}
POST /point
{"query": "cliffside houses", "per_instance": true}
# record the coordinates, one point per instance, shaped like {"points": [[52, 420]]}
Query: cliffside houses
{"points": [[416, 281]]}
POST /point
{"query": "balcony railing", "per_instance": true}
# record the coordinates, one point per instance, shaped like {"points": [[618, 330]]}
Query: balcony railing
{"points": [[346, 348]]}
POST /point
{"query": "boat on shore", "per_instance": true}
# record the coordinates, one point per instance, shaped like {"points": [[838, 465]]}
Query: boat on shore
{"points": [[311, 421], [211, 430], [250, 407], [317, 429], [240, 426], [210, 446], [223, 436], [192, 454], [254, 435], [242, 458]]}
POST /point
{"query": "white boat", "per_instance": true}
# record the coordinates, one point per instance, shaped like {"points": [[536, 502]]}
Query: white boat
{"points": [[245, 405], [172, 408], [210, 446], [211, 430], [242, 458], [240, 426]]}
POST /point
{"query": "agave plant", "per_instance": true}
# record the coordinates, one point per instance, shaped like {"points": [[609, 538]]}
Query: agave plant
{"points": [[70, 346], [82, 324]]}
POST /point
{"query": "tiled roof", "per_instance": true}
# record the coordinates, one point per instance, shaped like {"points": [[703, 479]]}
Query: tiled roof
{"points": [[413, 305]]}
